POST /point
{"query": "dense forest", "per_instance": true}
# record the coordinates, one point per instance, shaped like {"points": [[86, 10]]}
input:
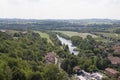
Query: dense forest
{"points": [[22, 58]]}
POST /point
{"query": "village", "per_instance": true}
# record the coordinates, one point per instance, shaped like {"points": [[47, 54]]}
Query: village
{"points": [[51, 58]]}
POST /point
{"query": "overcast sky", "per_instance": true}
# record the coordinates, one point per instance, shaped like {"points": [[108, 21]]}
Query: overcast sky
{"points": [[60, 9]]}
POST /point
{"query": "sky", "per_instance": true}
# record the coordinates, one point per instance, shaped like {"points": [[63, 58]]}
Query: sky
{"points": [[60, 9]]}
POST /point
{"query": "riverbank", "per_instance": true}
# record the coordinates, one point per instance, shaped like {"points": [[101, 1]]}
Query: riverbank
{"points": [[69, 43]]}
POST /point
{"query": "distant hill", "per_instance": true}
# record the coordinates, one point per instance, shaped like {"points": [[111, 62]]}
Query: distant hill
{"points": [[34, 24]]}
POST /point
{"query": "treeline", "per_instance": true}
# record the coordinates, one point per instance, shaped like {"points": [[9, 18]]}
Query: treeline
{"points": [[74, 25], [117, 31], [22, 58]]}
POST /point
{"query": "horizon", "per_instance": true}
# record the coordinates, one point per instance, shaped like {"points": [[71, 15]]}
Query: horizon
{"points": [[60, 19]]}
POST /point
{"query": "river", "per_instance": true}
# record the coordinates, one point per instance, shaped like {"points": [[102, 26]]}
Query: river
{"points": [[69, 43]]}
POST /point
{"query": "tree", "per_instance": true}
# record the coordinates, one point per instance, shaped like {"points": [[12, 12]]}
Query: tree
{"points": [[52, 72], [18, 74], [68, 63], [36, 76]]}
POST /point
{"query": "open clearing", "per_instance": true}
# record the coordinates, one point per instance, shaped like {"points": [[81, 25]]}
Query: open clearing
{"points": [[44, 35], [72, 33], [83, 35], [112, 35]]}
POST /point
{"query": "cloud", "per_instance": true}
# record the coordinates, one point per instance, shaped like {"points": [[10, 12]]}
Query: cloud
{"points": [[43, 9]]}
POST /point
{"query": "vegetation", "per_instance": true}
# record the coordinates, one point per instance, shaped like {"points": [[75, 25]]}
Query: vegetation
{"points": [[23, 58], [110, 37], [85, 25], [91, 58], [71, 33], [44, 35], [22, 52]]}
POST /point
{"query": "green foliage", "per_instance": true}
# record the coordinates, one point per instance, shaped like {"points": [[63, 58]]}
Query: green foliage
{"points": [[92, 55], [22, 58], [117, 31], [54, 38], [68, 63]]}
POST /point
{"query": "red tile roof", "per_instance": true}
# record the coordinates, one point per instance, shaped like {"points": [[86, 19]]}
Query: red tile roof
{"points": [[50, 58], [116, 48], [114, 60], [76, 68], [112, 71]]}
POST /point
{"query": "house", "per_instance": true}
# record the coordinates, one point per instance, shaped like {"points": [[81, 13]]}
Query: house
{"points": [[119, 78], [111, 72], [116, 47], [76, 68], [114, 60], [80, 78], [49, 58]]}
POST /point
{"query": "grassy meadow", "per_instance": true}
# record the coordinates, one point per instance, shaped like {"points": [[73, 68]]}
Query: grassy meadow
{"points": [[44, 35], [112, 35], [72, 33]]}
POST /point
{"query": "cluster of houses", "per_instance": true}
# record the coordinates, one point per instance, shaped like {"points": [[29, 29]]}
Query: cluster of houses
{"points": [[111, 72], [83, 75], [115, 61]]}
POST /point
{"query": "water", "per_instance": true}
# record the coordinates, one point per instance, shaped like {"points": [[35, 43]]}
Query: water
{"points": [[69, 43]]}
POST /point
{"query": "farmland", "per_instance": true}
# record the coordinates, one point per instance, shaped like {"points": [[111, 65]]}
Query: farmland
{"points": [[71, 33], [110, 35]]}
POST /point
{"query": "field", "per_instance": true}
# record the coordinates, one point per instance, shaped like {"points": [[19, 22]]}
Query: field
{"points": [[112, 29], [83, 35], [9, 31], [107, 37], [44, 35], [71, 33], [111, 35]]}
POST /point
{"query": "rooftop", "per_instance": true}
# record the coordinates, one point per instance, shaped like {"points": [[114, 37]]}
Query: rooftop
{"points": [[76, 68], [50, 58], [111, 70], [114, 60]]}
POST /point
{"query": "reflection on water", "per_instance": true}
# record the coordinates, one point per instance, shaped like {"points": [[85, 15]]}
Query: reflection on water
{"points": [[69, 43]]}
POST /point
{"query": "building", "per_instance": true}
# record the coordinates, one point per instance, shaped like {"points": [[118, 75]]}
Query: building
{"points": [[80, 78], [111, 72], [83, 75], [76, 68], [114, 60], [49, 58], [116, 47], [119, 78]]}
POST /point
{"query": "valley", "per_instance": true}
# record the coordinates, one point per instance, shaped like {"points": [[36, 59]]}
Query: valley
{"points": [[47, 50]]}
